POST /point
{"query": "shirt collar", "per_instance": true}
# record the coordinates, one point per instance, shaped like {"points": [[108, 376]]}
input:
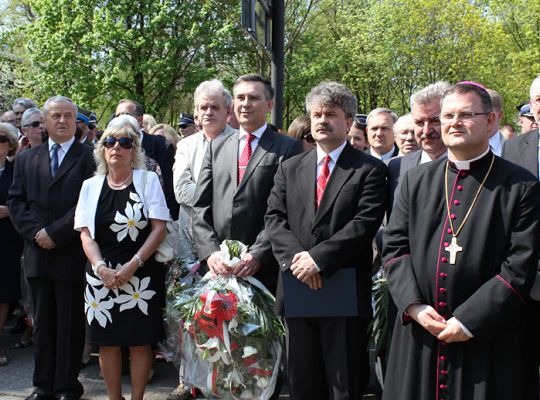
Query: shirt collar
{"points": [[425, 158], [385, 156], [65, 146], [466, 165], [258, 132], [334, 154], [495, 140]]}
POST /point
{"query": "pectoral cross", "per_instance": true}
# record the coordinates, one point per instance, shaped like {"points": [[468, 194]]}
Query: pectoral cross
{"points": [[453, 249]]}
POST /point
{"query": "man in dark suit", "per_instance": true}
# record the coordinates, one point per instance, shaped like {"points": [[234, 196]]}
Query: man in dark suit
{"points": [[523, 150], [46, 184], [380, 133], [156, 148], [236, 177], [323, 212]]}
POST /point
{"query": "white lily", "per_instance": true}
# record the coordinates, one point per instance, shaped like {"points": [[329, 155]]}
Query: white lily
{"points": [[135, 294], [130, 223]]}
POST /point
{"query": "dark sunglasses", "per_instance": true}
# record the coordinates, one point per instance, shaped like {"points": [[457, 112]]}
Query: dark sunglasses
{"points": [[308, 138], [91, 126], [3, 139], [34, 124], [125, 142]]}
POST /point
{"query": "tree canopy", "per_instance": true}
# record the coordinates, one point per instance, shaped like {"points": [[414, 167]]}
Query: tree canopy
{"points": [[158, 51]]}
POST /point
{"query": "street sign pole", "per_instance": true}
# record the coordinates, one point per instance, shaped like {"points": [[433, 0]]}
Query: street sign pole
{"points": [[278, 60]]}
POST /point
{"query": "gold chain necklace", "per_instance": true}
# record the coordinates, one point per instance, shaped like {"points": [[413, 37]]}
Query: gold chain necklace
{"points": [[454, 247]]}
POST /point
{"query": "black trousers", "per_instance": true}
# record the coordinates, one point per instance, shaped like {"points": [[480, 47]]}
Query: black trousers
{"points": [[59, 323], [327, 358]]}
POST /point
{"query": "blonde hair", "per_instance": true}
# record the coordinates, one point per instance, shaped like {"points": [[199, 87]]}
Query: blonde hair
{"points": [[11, 134], [170, 133], [99, 152]]}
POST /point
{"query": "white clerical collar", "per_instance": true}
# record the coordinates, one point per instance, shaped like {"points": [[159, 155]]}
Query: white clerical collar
{"points": [[425, 157], [258, 132], [65, 146], [383, 157], [466, 165], [334, 154]]}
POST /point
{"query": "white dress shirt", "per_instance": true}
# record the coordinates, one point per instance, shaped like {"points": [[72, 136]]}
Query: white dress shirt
{"points": [[62, 151]]}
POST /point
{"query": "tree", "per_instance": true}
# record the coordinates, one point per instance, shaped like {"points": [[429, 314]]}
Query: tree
{"points": [[155, 52]]}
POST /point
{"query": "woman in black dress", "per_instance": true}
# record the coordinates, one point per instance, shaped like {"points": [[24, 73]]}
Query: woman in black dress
{"points": [[11, 244], [122, 216]]}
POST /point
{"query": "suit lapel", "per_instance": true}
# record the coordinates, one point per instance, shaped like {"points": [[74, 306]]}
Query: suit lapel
{"points": [[44, 162], [306, 179], [339, 176], [69, 160], [230, 156], [266, 142], [530, 148]]}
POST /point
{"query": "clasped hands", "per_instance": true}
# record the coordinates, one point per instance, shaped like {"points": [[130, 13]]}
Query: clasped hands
{"points": [[247, 266], [429, 319], [114, 278]]}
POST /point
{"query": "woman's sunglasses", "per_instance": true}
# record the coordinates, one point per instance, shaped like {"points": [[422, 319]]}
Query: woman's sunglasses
{"points": [[125, 142], [34, 124], [3, 139]]}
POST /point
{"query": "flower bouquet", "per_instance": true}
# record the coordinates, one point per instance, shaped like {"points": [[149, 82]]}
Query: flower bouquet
{"points": [[178, 282], [232, 338]]}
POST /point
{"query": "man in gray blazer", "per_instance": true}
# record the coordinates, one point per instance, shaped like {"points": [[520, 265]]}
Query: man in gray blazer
{"points": [[235, 181], [213, 104]]}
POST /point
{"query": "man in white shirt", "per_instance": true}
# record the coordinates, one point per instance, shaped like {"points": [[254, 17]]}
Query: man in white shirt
{"points": [[496, 140], [213, 104]]}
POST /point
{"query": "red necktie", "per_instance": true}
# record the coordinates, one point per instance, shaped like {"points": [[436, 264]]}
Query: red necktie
{"points": [[322, 180], [244, 157]]}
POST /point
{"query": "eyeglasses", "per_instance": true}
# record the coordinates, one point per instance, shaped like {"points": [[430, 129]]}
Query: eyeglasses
{"points": [[34, 124], [463, 116], [91, 126], [110, 142], [3, 139], [308, 137]]}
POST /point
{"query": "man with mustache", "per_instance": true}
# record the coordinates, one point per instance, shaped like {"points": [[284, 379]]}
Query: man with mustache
{"points": [[425, 110], [460, 253], [323, 212]]}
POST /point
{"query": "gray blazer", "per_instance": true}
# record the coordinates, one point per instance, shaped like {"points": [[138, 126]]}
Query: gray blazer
{"points": [[224, 210]]}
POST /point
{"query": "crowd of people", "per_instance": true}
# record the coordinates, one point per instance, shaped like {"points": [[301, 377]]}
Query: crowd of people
{"points": [[441, 201]]}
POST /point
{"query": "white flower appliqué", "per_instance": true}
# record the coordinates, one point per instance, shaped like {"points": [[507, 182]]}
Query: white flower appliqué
{"points": [[130, 223], [97, 308], [136, 294]]}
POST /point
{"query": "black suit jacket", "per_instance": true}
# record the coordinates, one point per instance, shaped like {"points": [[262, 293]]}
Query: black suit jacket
{"points": [[339, 233], [224, 210], [523, 151], [36, 201], [162, 152]]}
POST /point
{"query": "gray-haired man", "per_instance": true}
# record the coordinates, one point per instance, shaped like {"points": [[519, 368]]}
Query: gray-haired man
{"points": [[323, 212]]}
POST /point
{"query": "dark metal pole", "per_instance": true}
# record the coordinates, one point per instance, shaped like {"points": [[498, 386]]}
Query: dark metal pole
{"points": [[278, 56]]}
